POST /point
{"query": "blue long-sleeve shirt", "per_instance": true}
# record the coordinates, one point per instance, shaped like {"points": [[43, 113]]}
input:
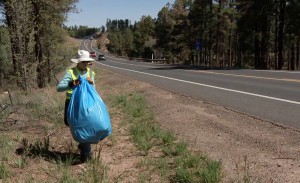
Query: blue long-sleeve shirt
{"points": [[63, 85]]}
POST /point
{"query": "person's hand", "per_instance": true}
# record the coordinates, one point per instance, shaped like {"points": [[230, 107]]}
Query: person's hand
{"points": [[74, 83], [90, 80]]}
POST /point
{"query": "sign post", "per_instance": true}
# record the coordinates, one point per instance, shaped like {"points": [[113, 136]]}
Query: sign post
{"points": [[198, 47]]}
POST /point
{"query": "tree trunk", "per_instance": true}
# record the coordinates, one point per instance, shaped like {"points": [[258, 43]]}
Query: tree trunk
{"points": [[14, 27], [257, 50], [292, 60], [229, 51], [49, 69], [297, 54], [265, 43], [218, 34], [282, 5], [276, 37], [1, 74], [38, 48]]}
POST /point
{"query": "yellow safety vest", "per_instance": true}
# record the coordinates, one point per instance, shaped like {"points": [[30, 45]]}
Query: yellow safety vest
{"points": [[75, 73]]}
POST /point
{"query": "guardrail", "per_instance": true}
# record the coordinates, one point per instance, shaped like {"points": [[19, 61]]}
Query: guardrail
{"points": [[149, 60]]}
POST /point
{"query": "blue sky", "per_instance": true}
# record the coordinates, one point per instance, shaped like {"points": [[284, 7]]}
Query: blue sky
{"points": [[94, 13]]}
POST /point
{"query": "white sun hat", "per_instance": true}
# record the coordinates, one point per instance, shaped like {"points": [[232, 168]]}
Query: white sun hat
{"points": [[82, 56]]}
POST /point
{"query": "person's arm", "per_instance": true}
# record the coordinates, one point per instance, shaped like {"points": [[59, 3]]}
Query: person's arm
{"points": [[63, 85], [93, 78]]}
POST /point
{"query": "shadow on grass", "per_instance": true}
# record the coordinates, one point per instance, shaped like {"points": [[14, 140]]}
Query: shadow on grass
{"points": [[64, 157]]}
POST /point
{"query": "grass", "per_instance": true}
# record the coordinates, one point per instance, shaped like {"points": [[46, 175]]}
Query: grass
{"points": [[177, 164], [21, 162], [4, 172]]}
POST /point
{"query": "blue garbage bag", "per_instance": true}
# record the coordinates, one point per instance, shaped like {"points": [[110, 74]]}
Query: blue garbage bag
{"points": [[87, 115]]}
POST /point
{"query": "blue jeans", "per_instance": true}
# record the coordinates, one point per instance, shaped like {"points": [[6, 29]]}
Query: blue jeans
{"points": [[85, 148], [65, 112]]}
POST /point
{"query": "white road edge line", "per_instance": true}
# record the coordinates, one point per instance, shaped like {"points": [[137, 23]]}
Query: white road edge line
{"points": [[210, 86], [288, 72]]}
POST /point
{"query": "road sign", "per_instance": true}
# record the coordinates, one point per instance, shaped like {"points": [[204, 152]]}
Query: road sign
{"points": [[198, 45]]}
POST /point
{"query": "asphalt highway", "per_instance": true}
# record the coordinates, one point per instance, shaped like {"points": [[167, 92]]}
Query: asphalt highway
{"points": [[269, 95]]}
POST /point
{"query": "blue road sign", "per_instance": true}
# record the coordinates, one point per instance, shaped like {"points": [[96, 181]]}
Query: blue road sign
{"points": [[198, 45]]}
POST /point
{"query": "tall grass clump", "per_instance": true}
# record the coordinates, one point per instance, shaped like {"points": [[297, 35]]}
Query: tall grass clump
{"points": [[4, 172], [44, 106], [197, 168], [5, 147]]}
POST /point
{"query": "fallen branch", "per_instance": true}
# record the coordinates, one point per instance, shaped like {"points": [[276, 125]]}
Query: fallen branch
{"points": [[5, 107]]}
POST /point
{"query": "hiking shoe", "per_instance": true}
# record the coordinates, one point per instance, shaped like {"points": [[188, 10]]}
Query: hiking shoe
{"points": [[84, 158]]}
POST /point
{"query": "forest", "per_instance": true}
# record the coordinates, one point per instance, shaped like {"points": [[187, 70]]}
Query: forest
{"points": [[251, 34], [228, 33]]}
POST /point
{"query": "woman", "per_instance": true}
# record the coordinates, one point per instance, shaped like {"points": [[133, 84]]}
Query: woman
{"points": [[69, 81]]}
